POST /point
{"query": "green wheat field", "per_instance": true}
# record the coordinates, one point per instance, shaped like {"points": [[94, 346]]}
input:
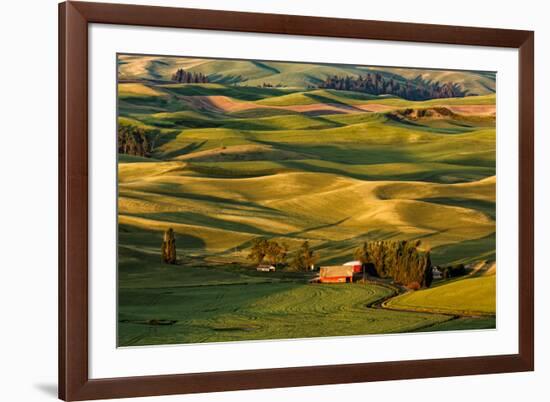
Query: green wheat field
{"points": [[228, 152]]}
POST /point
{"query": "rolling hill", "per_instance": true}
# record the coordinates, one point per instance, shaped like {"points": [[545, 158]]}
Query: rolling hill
{"points": [[229, 161], [472, 295], [254, 73], [254, 161]]}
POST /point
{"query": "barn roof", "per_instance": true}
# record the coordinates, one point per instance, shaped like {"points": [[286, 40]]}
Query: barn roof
{"points": [[336, 270]]}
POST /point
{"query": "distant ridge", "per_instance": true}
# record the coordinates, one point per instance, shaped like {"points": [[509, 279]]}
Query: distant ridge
{"points": [[288, 74]]}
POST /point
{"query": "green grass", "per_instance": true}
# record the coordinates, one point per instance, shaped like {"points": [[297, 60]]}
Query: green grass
{"points": [[236, 92], [346, 98], [123, 158], [471, 295], [365, 143], [136, 90], [415, 171], [468, 100], [189, 119], [253, 312], [207, 302], [466, 251]]}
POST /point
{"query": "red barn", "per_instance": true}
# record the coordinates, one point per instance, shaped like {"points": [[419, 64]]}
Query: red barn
{"points": [[336, 274], [357, 266]]}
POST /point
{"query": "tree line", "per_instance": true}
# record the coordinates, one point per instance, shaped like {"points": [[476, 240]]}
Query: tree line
{"points": [[376, 84], [269, 251], [400, 260], [132, 140], [276, 253], [188, 77]]}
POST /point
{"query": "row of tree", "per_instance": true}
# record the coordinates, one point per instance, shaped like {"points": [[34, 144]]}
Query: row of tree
{"points": [[269, 251], [132, 140], [270, 85], [188, 77], [276, 254], [400, 260], [376, 84], [262, 250]]}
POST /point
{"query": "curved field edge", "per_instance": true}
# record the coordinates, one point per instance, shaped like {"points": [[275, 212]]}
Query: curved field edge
{"points": [[468, 296], [264, 311]]}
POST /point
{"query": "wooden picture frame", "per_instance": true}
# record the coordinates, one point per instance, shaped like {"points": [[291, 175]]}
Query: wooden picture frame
{"points": [[74, 381]]}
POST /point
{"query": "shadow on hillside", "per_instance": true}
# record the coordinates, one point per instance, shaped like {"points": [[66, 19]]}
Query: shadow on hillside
{"points": [[149, 241], [483, 248], [193, 218], [187, 149], [219, 202]]}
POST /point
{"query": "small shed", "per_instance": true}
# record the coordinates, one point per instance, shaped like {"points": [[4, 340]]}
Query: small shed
{"points": [[266, 268], [436, 273], [336, 274]]}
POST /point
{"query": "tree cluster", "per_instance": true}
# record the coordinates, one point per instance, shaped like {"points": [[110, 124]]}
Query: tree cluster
{"points": [[376, 84], [271, 251], [133, 140], [400, 260], [270, 85], [188, 77], [305, 258]]}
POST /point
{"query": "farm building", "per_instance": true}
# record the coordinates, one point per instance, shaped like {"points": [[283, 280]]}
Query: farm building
{"points": [[266, 268], [436, 273], [357, 266], [336, 274]]}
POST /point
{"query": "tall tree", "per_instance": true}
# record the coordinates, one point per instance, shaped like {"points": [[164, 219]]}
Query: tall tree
{"points": [[258, 250], [168, 248], [305, 258], [272, 252]]}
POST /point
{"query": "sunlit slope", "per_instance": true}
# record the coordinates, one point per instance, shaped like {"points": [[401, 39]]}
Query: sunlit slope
{"points": [[232, 163], [245, 101], [370, 143], [227, 213], [469, 295]]}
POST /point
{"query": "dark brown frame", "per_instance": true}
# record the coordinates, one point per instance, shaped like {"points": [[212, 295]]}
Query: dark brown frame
{"points": [[74, 382]]}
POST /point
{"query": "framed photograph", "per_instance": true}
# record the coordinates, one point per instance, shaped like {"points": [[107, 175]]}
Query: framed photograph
{"points": [[261, 200]]}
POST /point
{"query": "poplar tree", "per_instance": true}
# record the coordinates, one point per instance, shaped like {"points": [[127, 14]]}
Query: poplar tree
{"points": [[304, 258], [400, 260], [168, 248]]}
